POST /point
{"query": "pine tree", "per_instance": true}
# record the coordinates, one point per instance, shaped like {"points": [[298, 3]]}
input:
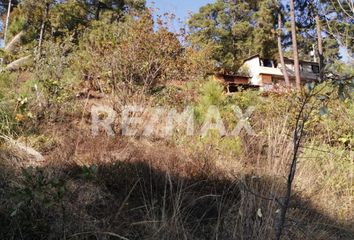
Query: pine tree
{"points": [[264, 33], [316, 20], [227, 28]]}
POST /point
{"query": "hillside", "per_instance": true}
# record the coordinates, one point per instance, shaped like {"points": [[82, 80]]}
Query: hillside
{"points": [[113, 127]]}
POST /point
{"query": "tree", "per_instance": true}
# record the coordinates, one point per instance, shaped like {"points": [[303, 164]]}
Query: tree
{"points": [[115, 8], [7, 21], [280, 51], [294, 44], [64, 19], [131, 55], [324, 22], [338, 23], [320, 46], [70, 17], [226, 28], [264, 33], [44, 20], [5, 3]]}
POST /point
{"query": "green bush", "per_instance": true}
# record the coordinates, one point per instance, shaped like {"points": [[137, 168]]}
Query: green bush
{"points": [[211, 94]]}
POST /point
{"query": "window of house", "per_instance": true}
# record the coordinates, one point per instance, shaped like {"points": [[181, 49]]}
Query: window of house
{"points": [[267, 63], [306, 68], [315, 69], [233, 88]]}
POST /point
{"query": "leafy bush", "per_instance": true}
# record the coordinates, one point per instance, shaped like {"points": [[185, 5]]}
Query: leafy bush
{"points": [[211, 94], [52, 83], [130, 54]]}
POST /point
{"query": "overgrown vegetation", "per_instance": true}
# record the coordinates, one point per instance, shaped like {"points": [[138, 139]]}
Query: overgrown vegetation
{"points": [[58, 181]]}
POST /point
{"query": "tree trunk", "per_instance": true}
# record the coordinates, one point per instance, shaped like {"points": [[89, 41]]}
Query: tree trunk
{"points": [[295, 50], [41, 34], [17, 64], [7, 21], [320, 47], [98, 10], [281, 56], [12, 45]]}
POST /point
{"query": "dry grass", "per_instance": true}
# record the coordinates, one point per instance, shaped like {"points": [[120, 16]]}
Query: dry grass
{"points": [[136, 190], [140, 188]]}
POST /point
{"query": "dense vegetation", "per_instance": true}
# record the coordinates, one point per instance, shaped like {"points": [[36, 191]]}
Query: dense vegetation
{"points": [[58, 181]]}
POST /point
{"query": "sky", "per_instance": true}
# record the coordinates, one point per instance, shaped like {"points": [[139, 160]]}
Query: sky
{"points": [[181, 8]]}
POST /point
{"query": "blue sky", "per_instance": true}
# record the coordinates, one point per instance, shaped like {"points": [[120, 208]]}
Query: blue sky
{"points": [[181, 8]]}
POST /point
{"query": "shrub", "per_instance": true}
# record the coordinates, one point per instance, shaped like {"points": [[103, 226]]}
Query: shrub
{"points": [[52, 83], [130, 54], [211, 94]]}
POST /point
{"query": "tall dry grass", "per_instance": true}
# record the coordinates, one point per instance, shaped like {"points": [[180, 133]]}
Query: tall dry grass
{"points": [[151, 188]]}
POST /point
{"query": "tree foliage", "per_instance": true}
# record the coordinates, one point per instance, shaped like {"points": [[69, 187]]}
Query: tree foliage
{"points": [[235, 30], [130, 54], [67, 17], [225, 27]]}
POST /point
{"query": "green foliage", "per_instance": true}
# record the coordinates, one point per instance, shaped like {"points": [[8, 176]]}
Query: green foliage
{"points": [[246, 99], [176, 97], [89, 172], [234, 30], [131, 54], [18, 23], [38, 189], [265, 34], [211, 94], [224, 27], [335, 126], [5, 83], [61, 21], [68, 19], [342, 78], [50, 73], [336, 28]]}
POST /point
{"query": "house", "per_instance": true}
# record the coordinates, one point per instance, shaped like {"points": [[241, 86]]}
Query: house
{"points": [[268, 73], [233, 83]]}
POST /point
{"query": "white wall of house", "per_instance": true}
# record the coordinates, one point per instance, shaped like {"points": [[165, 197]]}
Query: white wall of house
{"points": [[255, 71], [306, 72]]}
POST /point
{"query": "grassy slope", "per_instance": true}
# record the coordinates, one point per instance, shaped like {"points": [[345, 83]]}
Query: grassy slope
{"points": [[91, 188]]}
